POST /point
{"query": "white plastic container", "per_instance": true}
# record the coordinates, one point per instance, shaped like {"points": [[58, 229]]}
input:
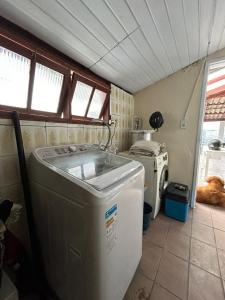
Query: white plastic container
{"points": [[137, 135]]}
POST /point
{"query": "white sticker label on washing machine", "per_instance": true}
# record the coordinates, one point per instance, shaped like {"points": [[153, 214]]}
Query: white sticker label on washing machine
{"points": [[111, 227]]}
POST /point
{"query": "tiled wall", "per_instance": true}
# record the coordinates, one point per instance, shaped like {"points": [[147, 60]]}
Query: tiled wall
{"points": [[37, 134]]}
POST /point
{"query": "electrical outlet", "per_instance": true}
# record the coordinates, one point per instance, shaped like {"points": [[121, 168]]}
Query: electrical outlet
{"points": [[183, 124]]}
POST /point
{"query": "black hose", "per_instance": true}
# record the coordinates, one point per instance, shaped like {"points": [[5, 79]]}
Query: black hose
{"points": [[36, 255]]}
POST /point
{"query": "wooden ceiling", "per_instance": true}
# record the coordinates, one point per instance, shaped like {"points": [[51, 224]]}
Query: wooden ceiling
{"points": [[132, 43]]}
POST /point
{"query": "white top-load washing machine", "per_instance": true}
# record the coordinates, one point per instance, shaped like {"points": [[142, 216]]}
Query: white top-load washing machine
{"points": [[88, 209], [156, 177]]}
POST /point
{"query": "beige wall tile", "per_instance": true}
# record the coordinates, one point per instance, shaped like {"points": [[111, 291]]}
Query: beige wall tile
{"points": [[9, 171], [7, 140], [57, 135], [32, 123], [33, 137], [6, 121], [76, 135], [12, 192]]}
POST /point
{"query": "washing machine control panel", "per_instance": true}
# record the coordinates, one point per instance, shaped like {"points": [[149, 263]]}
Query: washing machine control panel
{"points": [[54, 151]]}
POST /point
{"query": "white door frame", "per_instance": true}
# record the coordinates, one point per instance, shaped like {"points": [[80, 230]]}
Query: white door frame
{"points": [[200, 124]]}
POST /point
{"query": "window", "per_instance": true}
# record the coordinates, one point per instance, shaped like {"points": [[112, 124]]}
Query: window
{"points": [[14, 78], [87, 101], [81, 98], [96, 104], [44, 84], [46, 90]]}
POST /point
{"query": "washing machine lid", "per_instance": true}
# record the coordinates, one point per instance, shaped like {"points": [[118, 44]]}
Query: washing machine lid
{"points": [[95, 167]]}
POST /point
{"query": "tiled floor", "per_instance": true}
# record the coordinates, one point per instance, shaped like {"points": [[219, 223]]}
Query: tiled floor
{"points": [[183, 260]]}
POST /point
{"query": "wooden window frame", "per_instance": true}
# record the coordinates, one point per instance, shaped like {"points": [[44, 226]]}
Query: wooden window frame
{"points": [[84, 119], [24, 43]]}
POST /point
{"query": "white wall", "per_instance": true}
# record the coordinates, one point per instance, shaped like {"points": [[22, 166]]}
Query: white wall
{"points": [[171, 96]]}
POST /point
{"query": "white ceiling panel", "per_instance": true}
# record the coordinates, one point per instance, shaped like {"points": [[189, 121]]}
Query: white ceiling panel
{"points": [[143, 46], [144, 18], [176, 17], [191, 19], [105, 15], [206, 17], [132, 43], [84, 15], [41, 26], [123, 14], [70, 24], [161, 20], [218, 26]]}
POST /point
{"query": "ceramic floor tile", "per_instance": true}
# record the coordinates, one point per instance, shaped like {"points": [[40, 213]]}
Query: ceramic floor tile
{"points": [[204, 256], [140, 288], [219, 222], [203, 207], [203, 233], [220, 239], [218, 211], [181, 227], [203, 217], [204, 286], [150, 259], [157, 233], [221, 254], [173, 275], [159, 293], [162, 219], [178, 244]]}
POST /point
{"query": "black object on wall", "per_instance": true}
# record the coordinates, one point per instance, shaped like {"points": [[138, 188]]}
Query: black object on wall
{"points": [[156, 120]]}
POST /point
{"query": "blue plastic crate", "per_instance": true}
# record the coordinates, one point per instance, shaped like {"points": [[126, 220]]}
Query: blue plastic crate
{"points": [[176, 210], [177, 201]]}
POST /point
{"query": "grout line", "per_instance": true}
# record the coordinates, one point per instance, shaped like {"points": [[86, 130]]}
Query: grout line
{"points": [[167, 291], [200, 267], [217, 254], [163, 252], [189, 260]]}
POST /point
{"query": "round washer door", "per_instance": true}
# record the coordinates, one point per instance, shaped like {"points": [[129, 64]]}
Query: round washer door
{"points": [[163, 180]]}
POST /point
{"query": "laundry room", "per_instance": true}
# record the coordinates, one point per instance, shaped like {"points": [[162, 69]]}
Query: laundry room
{"points": [[110, 112]]}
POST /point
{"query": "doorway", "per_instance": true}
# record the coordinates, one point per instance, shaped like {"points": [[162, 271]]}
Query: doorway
{"points": [[210, 154]]}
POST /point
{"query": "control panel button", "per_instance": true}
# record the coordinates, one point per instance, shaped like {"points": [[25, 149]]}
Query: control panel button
{"points": [[72, 148], [83, 148]]}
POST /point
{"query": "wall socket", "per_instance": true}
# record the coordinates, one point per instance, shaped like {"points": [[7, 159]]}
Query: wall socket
{"points": [[183, 124]]}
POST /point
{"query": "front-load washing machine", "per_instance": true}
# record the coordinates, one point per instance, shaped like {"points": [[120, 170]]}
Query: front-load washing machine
{"points": [[88, 209], [156, 177]]}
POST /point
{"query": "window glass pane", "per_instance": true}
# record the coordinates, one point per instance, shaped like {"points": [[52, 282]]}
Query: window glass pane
{"points": [[81, 98], [96, 104], [14, 78], [47, 88], [210, 131]]}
